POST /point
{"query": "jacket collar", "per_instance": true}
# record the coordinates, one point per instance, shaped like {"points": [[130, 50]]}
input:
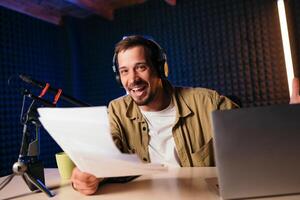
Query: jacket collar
{"points": [[182, 110]]}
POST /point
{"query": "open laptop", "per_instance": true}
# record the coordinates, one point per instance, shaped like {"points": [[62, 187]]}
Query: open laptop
{"points": [[257, 151]]}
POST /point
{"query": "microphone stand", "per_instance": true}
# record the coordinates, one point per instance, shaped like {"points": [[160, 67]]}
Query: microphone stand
{"points": [[28, 166]]}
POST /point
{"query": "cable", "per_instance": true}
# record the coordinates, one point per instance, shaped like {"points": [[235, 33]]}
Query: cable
{"points": [[22, 110]]}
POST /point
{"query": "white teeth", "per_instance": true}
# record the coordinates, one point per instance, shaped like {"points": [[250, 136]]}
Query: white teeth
{"points": [[137, 89]]}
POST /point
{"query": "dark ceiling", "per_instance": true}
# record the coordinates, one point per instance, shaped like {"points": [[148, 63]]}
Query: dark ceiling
{"points": [[53, 10]]}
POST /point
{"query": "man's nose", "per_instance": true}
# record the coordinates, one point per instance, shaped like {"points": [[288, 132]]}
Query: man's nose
{"points": [[133, 76]]}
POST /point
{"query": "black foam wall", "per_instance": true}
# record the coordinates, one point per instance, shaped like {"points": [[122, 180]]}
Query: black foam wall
{"points": [[232, 46], [27, 46]]}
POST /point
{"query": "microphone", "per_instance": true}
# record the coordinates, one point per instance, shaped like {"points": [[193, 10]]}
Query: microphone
{"points": [[42, 85]]}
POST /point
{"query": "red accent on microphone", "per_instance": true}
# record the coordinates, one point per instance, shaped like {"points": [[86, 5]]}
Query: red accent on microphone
{"points": [[57, 96], [47, 86]]}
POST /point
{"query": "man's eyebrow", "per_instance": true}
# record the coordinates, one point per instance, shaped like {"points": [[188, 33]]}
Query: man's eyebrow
{"points": [[122, 67], [141, 63], [136, 64]]}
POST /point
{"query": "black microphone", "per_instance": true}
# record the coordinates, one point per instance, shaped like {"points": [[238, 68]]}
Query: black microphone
{"points": [[42, 85]]}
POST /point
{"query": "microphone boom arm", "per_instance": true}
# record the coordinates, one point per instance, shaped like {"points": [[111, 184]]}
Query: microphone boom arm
{"points": [[42, 85]]}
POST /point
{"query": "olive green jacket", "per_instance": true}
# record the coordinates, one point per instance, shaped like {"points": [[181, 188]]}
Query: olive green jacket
{"points": [[192, 131]]}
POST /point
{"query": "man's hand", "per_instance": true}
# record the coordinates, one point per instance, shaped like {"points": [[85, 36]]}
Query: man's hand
{"points": [[295, 97], [84, 183]]}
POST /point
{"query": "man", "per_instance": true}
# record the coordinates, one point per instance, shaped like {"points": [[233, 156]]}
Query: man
{"points": [[158, 122]]}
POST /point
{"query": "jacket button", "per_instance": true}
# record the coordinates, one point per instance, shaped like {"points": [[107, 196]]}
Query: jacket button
{"points": [[145, 159], [144, 128]]}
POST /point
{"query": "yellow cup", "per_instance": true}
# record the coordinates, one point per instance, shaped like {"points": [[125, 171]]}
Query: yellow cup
{"points": [[65, 165]]}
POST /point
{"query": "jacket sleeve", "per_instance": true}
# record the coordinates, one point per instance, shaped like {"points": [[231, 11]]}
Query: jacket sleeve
{"points": [[115, 127], [226, 104]]}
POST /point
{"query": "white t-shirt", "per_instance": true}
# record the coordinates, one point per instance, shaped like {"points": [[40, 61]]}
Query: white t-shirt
{"points": [[162, 146]]}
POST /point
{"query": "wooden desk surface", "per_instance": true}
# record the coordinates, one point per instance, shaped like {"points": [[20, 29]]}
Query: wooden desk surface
{"points": [[181, 183]]}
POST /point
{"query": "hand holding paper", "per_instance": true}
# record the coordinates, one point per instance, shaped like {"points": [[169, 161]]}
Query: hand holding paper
{"points": [[84, 134]]}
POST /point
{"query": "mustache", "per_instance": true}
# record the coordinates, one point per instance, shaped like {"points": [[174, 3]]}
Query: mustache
{"points": [[137, 83]]}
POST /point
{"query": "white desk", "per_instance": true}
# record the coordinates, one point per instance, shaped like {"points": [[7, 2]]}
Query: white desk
{"points": [[182, 183]]}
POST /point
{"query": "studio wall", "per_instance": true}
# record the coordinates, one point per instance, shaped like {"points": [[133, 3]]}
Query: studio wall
{"points": [[231, 46], [27, 46]]}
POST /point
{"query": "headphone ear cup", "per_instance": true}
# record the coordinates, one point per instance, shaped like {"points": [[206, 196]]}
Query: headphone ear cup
{"points": [[161, 69], [118, 79], [117, 75], [116, 71], [165, 69]]}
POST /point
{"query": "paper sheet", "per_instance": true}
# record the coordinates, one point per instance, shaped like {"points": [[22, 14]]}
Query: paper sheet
{"points": [[84, 134]]}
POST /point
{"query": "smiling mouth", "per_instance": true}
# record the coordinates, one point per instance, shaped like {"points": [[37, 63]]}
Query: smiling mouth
{"points": [[138, 91]]}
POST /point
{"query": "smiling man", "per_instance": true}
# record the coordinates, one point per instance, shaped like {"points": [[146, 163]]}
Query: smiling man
{"points": [[157, 121], [141, 80]]}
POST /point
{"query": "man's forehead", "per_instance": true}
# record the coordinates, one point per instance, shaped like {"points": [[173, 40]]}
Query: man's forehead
{"points": [[136, 51], [133, 48]]}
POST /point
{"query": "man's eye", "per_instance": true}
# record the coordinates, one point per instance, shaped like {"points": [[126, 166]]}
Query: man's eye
{"points": [[141, 67], [123, 72]]}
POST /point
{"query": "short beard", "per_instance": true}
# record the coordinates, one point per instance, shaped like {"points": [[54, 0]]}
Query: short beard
{"points": [[146, 101]]}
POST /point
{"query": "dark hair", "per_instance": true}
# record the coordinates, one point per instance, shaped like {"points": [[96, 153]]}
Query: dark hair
{"points": [[152, 49]]}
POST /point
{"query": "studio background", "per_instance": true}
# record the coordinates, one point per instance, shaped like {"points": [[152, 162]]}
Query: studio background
{"points": [[232, 46]]}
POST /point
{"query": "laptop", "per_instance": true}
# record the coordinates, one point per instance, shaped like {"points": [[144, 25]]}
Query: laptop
{"points": [[257, 151]]}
